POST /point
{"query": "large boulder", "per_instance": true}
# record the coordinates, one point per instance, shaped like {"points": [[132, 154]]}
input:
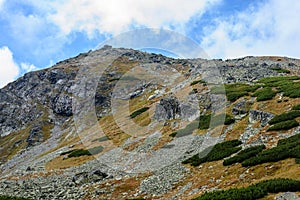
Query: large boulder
{"points": [[168, 108], [260, 116]]}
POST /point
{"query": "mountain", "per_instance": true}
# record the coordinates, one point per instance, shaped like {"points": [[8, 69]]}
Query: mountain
{"points": [[119, 123]]}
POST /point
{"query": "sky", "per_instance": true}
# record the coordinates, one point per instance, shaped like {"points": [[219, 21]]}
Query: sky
{"points": [[37, 34]]}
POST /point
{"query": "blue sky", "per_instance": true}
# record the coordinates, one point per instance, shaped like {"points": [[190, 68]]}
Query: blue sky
{"points": [[36, 34]]}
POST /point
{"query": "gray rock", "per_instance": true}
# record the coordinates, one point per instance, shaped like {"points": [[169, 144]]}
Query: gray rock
{"points": [[260, 116], [287, 196]]}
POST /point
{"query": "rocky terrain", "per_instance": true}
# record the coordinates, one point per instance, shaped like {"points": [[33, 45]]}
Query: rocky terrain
{"points": [[118, 123]]}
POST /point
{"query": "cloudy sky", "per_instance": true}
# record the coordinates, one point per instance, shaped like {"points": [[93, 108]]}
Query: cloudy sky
{"points": [[36, 34]]}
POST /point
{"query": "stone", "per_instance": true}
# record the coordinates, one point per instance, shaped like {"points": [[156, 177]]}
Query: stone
{"points": [[260, 116], [287, 196]]}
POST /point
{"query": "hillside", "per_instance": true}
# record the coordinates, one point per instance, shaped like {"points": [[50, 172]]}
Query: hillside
{"points": [[119, 123]]}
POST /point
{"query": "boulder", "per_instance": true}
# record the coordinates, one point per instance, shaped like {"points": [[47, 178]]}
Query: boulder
{"points": [[260, 116]]}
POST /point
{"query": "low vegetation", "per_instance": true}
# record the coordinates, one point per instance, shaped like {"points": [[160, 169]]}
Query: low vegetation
{"points": [[296, 107], [286, 148], [205, 120], [289, 85], [285, 117], [83, 152], [264, 94], [138, 112], [256, 191], [235, 91], [244, 155], [198, 81], [280, 70], [217, 152], [285, 125]]}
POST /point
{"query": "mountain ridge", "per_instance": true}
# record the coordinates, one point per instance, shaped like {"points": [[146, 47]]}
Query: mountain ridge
{"points": [[39, 127]]}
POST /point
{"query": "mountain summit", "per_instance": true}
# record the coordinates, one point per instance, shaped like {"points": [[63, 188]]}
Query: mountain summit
{"points": [[119, 123]]}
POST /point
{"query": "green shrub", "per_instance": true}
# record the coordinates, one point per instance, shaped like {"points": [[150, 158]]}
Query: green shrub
{"points": [[217, 152], [280, 70], [286, 148], [67, 152], [296, 107], [138, 112], [287, 85], [256, 191], [79, 152], [187, 130], [244, 155], [84, 152], [234, 91], [198, 81], [102, 139], [297, 160], [96, 150], [286, 125], [264, 94], [205, 120], [285, 117]]}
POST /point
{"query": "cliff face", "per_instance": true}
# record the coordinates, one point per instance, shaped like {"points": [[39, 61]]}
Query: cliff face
{"points": [[123, 106]]}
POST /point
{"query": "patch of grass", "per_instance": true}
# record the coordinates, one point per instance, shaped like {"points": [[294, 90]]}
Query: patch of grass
{"points": [[205, 120], [286, 85], [297, 160], [280, 70], [67, 152], [83, 152], [285, 125], [264, 94], [187, 130], [256, 191], [198, 81], [286, 148], [217, 152], [296, 107], [138, 112], [101, 139], [235, 91], [244, 155], [285, 117]]}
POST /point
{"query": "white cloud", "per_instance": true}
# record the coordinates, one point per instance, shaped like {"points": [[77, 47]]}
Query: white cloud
{"points": [[1, 4], [271, 28], [9, 70], [115, 16], [26, 67]]}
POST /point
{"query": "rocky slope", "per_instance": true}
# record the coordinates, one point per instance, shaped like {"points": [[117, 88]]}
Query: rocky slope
{"points": [[138, 115]]}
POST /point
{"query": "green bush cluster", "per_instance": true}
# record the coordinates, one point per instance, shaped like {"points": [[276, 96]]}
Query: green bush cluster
{"points": [[255, 191], [285, 117], [83, 152], [3, 197], [264, 94], [244, 155], [235, 91], [289, 85], [203, 122], [198, 81], [217, 152], [286, 148], [296, 107], [280, 70], [138, 112], [285, 125]]}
